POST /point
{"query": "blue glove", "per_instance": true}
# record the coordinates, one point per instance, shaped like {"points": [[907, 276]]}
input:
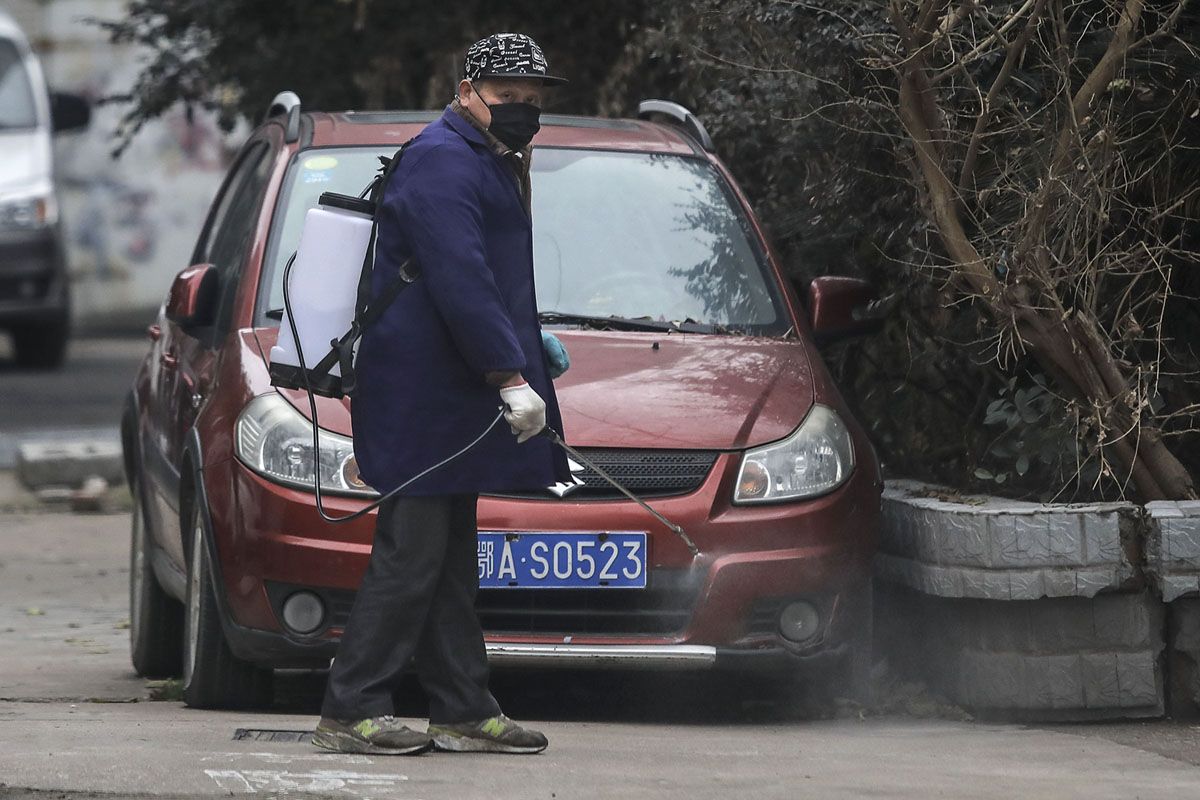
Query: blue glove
{"points": [[556, 354]]}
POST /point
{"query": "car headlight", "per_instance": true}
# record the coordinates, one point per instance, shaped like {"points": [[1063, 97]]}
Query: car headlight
{"points": [[816, 459], [275, 440], [28, 213]]}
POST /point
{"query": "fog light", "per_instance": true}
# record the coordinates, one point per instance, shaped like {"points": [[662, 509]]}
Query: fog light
{"points": [[799, 622], [303, 612]]}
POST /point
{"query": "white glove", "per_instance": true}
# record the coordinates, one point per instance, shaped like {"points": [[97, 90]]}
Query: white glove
{"points": [[524, 411]]}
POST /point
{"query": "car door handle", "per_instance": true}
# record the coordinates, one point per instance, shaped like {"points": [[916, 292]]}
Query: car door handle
{"points": [[168, 360], [154, 332]]}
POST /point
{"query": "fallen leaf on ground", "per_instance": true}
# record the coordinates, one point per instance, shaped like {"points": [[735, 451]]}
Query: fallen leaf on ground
{"points": [[34, 611], [122, 625]]}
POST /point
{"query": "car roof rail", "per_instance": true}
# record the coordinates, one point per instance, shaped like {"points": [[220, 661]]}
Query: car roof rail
{"points": [[685, 118], [288, 103]]}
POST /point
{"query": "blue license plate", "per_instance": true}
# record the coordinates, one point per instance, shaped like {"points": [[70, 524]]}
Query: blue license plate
{"points": [[562, 560]]}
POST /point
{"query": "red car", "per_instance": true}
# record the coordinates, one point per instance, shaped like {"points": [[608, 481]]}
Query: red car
{"points": [[695, 381]]}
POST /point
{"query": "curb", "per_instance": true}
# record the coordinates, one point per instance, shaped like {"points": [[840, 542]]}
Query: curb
{"points": [[43, 464]]}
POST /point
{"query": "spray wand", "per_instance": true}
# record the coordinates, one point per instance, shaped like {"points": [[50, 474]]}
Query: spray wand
{"points": [[555, 437]]}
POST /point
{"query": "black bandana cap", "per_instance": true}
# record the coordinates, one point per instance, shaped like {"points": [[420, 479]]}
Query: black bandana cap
{"points": [[508, 55]]}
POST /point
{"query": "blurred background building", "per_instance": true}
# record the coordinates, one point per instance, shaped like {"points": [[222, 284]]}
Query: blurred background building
{"points": [[130, 222]]}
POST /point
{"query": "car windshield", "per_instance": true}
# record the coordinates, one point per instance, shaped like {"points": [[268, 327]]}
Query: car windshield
{"points": [[627, 235], [16, 96]]}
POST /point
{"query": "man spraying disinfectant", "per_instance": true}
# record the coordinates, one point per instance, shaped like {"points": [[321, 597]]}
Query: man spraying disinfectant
{"points": [[435, 366]]}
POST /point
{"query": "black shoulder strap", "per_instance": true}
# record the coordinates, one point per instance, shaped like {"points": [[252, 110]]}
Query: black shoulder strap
{"points": [[375, 195], [366, 312]]}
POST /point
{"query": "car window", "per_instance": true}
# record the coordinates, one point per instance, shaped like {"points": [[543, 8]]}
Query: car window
{"points": [[235, 217], [16, 95], [219, 211], [615, 234], [236, 232], [230, 228]]}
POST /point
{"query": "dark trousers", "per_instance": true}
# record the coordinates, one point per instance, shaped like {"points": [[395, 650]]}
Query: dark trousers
{"points": [[416, 603]]}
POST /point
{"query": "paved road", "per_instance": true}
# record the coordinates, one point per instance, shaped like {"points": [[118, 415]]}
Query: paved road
{"points": [[66, 723], [81, 400]]}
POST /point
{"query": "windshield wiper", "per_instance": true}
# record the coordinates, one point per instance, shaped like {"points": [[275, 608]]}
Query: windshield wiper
{"points": [[618, 323], [629, 323]]}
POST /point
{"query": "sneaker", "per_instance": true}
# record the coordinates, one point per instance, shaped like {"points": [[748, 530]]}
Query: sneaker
{"points": [[384, 736], [495, 735]]}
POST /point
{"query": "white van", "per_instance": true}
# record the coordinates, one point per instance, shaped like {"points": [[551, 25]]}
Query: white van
{"points": [[34, 299]]}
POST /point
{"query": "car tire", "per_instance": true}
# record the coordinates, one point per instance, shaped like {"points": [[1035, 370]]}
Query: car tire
{"points": [[155, 618], [42, 346], [212, 676]]}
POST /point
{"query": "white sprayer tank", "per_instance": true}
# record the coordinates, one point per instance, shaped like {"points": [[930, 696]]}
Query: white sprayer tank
{"points": [[323, 286]]}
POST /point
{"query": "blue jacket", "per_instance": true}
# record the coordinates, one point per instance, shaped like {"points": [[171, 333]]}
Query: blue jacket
{"points": [[456, 207]]}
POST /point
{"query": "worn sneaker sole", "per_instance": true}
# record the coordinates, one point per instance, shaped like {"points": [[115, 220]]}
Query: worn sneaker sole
{"points": [[340, 742], [468, 744]]}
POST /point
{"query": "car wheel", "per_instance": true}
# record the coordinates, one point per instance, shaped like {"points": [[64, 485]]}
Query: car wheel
{"points": [[41, 346], [155, 618], [212, 676]]}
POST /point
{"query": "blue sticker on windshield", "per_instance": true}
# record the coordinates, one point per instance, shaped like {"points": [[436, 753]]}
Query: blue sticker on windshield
{"points": [[317, 177]]}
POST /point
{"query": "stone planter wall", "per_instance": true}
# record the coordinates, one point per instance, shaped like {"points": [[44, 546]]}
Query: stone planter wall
{"points": [[996, 549], [1021, 609], [1173, 565]]}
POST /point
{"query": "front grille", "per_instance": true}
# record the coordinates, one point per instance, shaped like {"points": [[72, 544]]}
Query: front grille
{"points": [[663, 607], [646, 473]]}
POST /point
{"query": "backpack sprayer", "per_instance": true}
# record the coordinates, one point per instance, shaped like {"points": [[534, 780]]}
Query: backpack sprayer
{"points": [[339, 230]]}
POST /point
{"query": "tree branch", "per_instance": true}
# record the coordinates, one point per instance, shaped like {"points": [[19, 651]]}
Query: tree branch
{"points": [[1015, 50]]}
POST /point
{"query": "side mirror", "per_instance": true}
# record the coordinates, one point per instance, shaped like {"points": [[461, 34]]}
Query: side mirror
{"points": [[842, 307], [192, 301], [69, 112]]}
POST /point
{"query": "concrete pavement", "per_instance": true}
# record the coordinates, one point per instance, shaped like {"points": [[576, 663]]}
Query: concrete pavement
{"points": [[63, 647], [157, 748]]}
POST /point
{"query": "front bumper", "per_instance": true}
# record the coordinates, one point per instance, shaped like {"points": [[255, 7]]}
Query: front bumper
{"points": [[754, 561], [279, 650], [33, 281], [641, 656]]}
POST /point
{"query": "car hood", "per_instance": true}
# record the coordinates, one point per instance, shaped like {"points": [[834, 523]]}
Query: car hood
{"points": [[26, 165], [658, 390]]}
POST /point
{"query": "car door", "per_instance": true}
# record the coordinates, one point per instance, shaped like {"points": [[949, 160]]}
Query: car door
{"points": [[188, 355]]}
